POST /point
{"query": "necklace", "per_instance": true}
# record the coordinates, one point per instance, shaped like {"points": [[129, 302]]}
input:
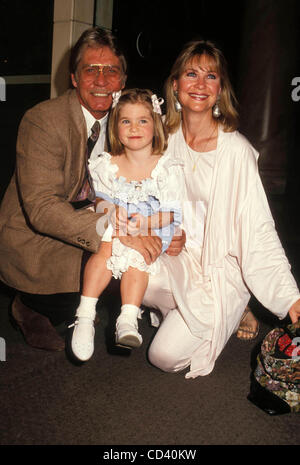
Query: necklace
{"points": [[195, 160]]}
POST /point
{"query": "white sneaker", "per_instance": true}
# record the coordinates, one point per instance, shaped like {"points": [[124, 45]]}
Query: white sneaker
{"points": [[127, 334], [82, 343]]}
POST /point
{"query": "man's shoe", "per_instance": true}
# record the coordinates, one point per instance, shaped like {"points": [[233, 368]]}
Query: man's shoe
{"points": [[36, 328]]}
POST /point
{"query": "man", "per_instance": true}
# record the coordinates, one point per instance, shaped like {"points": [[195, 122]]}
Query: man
{"points": [[45, 226]]}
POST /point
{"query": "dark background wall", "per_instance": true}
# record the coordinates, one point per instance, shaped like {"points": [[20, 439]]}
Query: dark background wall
{"points": [[25, 49], [152, 33]]}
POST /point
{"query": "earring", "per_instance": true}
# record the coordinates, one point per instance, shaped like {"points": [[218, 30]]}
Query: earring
{"points": [[177, 105], [216, 109]]}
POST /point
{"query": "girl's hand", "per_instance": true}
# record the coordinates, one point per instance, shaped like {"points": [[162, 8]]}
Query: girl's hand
{"points": [[118, 220], [138, 224]]}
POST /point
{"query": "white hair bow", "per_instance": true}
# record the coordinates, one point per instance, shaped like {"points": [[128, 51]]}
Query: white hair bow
{"points": [[115, 97]]}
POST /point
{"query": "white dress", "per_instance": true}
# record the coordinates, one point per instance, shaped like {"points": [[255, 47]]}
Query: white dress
{"points": [[162, 191], [203, 292]]}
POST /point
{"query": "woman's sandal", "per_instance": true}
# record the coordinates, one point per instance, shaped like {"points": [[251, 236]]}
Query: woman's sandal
{"points": [[245, 327]]}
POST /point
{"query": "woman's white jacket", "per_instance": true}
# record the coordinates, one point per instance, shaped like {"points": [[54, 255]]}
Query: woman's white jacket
{"points": [[241, 249]]}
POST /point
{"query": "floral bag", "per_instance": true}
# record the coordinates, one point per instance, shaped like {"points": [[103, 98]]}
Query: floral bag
{"points": [[275, 384]]}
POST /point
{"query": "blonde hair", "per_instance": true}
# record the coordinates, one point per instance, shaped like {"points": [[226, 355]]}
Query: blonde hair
{"points": [[227, 101], [133, 96], [96, 37]]}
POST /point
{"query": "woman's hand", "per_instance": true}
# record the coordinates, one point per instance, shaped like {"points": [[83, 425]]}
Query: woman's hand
{"points": [[294, 311], [177, 243]]}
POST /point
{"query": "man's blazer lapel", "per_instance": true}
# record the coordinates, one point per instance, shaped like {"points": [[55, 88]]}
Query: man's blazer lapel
{"points": [[78, 141]]}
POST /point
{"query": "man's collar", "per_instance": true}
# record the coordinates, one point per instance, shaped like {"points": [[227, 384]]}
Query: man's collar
{"points": [[90, 119]]}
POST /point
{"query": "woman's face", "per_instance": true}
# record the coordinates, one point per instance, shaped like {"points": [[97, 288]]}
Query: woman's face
{"points": [[199, 85]]}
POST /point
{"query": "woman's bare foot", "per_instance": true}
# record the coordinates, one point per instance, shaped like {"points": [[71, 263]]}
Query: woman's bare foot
{"points": [[249, 327]]}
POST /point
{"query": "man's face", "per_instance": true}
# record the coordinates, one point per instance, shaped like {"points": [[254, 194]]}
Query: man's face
{"points": [[95, 84]]}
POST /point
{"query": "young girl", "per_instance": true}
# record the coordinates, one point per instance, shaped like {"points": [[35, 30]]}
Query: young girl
{"points": [[145, 186]]}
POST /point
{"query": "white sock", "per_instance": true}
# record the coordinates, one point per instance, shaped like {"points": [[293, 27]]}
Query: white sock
{"points": [[87, 307], [130, 310]]}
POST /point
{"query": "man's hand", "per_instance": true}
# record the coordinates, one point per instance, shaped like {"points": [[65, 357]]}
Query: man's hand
{"points": [[294, 312], [177, 243], [148, 246]]}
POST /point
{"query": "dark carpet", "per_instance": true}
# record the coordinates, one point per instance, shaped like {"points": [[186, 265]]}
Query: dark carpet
{"points": [[118, 398]]}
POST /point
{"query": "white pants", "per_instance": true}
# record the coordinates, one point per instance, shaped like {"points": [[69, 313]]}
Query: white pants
{"points": [[174, 345]]}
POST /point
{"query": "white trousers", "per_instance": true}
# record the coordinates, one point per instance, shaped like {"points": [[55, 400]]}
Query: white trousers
{"points": [[173, 345]]}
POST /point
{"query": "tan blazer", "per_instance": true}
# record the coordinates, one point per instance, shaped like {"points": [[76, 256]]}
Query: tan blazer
{"points": [[41, 236]]}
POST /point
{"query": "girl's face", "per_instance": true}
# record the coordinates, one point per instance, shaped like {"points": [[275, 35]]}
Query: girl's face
{"points": [[199, 85], [135, 126]]}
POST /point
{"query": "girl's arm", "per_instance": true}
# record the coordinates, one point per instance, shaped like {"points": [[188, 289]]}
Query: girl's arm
{"points": [[139, 224]]}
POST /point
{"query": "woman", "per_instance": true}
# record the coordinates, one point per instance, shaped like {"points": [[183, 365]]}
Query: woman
{"points": [[232, 246]]}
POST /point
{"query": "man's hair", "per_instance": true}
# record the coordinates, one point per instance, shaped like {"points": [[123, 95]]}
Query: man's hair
{"points": [[96, 37]]}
